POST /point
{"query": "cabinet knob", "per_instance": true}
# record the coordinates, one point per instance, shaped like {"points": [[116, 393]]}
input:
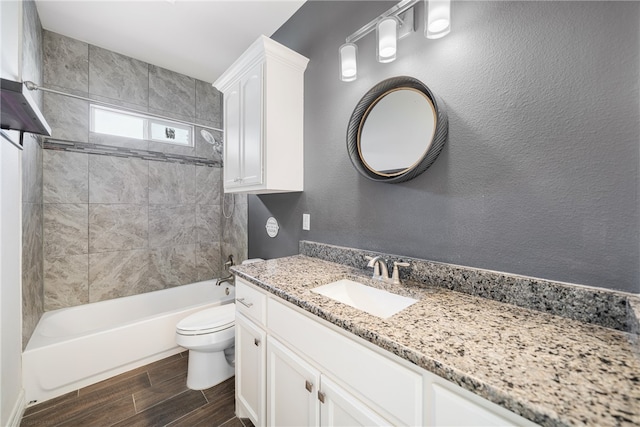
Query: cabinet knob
{"points": [[320, 396], [256, 341], [308, 386]]}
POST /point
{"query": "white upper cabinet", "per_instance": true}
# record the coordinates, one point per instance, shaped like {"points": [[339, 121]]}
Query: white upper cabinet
{"points": [[263, 120]]}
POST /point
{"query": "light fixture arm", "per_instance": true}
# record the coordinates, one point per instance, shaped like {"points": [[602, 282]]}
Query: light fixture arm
{"points": [[396, 10]]}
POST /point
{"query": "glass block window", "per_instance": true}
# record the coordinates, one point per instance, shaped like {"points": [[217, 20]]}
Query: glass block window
{"points": [[131, 125]]}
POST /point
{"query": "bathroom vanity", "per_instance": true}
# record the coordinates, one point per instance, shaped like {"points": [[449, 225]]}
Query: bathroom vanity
{"points": [[315, 374], [449, 359]]}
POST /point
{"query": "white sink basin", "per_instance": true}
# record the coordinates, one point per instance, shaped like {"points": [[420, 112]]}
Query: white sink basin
{"points": [[374, 301]]}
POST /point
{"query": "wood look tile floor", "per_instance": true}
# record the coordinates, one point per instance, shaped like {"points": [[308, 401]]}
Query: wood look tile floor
{"points": [[153, 395]]}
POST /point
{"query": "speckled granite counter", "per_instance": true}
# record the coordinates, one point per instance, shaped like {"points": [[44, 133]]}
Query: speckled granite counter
{"points": [[549, 369]]}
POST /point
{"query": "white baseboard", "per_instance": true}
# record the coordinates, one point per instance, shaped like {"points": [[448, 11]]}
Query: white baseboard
{"points": [[18, 411]]}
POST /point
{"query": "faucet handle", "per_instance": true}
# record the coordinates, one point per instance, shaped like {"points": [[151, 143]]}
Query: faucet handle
{"points": [[396, 275], [229, 262]]}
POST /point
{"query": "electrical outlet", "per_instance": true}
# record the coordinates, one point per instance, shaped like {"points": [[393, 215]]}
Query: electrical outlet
{"points": [[306, 222]]}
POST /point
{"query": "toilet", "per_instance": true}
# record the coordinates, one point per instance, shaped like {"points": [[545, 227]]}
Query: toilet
{"points": [[209, 335]]}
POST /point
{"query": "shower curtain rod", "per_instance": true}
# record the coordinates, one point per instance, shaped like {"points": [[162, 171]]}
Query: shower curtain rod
{"points": [[8, 138], [32, 86]]}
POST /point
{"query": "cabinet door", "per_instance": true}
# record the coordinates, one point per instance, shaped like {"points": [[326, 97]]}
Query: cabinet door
{"points": [[292, 386], [232, 138], [252, 126], [339, 408], [250, 370]]}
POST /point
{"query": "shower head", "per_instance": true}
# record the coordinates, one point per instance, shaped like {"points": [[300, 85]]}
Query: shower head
{"points": [[208, 137]]}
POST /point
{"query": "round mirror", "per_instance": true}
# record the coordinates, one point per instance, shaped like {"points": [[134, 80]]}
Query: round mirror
{"points": [[396, 131]]}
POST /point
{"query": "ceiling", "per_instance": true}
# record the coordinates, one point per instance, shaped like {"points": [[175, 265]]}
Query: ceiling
{"points": [[197, 38]]}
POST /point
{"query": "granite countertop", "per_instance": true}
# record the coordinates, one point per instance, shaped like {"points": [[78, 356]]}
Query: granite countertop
{"points": [[549, 369]]}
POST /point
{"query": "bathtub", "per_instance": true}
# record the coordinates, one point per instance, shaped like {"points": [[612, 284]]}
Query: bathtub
{"points": [[78, 346]]}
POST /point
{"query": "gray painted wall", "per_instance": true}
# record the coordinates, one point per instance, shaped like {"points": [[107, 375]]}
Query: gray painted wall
{"points": [[540, 173]]}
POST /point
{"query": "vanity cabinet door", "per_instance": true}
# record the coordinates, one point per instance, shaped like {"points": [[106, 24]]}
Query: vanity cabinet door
{"points": [[292, 388], [250, 370], [339, 408]]}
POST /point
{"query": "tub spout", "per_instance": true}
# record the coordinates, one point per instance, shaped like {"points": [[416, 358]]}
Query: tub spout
{"points": [[230, 279]]}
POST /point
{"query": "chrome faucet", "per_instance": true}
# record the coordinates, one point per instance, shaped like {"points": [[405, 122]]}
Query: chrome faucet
{"points": [[380, 271], [230, 279]]}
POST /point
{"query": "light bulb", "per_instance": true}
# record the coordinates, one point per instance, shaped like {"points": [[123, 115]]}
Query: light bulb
{"points": [[348, 62], [438, 18], [387, 37]]}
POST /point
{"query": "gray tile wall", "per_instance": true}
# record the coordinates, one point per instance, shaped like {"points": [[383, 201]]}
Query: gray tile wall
{"points": [[118, 77], [32, 208], [117, 226], [234, 226]]}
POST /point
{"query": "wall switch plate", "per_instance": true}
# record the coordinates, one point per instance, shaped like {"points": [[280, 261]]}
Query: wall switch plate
{"points": [[306, 222]]}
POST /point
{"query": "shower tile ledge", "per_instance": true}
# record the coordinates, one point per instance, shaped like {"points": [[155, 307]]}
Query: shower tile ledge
{"points": [[549, 369]]}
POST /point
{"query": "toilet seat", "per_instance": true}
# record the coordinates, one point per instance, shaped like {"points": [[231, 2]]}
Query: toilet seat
{"points": [[208, 321]]}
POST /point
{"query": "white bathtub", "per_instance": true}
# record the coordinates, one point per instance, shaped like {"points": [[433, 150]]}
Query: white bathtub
{"points": [[78, 346]]}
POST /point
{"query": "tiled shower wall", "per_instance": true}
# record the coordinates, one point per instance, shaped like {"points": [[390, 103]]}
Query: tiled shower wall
{"points": [[120, 225], [32, 257]]}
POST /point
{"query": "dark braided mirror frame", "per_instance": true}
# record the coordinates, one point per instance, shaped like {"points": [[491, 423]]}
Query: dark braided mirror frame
{"points": [[358, 115]]}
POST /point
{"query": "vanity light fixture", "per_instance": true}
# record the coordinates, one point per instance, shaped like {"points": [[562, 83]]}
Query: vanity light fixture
{"points": [[391, 26], [437, 19]]}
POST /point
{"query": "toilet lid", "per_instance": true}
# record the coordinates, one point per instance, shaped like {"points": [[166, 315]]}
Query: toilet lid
{"points": [[210, 320]]}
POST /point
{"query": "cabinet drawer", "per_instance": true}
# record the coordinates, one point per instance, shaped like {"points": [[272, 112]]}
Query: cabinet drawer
{"points": [[251, 302], [392, 390], [453, 406]]}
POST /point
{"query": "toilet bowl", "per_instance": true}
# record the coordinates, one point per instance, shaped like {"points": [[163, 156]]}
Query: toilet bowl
{"points": [[209, 336]]}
